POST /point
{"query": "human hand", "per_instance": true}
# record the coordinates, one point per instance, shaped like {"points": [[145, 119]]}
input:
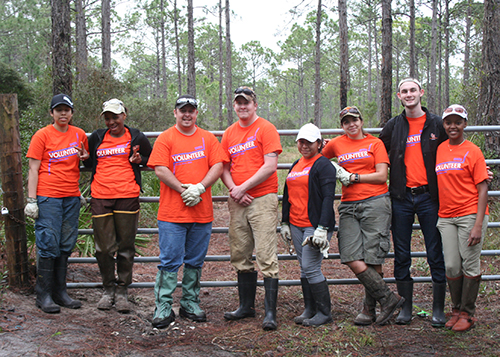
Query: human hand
{"points": [[31, 209], [193, 202], [135, 158], [490, 175], [474, 236], [83, 201], [192, 192], [343, 175], [82, 152]]}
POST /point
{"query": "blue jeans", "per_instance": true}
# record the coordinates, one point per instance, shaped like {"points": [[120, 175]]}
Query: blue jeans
{"points": [[56, 228], [403, 216], [183, 243]]}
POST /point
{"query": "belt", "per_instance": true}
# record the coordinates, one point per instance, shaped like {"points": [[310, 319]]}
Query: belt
{"points": [[418, 190]]}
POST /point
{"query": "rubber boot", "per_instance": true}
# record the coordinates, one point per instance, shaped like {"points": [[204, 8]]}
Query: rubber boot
{"points": [[105, 248], [470, 290], [247, 285], [165, 285], [60, 294], [190, 301], [321, 295], [377, 288], [270, 302], [126, 229], [455, 286], [122, 304], [438, 296], [405, 289], [309, 304], [45, 285], [368, 315]]}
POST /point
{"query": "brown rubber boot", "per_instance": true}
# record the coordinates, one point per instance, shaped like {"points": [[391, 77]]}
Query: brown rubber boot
{"points": [[470, 290], [455, 286]]}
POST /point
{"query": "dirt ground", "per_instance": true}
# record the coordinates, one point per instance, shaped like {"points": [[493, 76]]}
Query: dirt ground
{"points": [[26, 331]]}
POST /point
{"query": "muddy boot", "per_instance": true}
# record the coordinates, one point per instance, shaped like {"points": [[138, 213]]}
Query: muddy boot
{"points": [[190, 301], [247, 285], [165, 285], [270, 301], [60, 294], [309, 304], [108, 298], [377, 288], [438, 295], [405, 289], [470, 290], [367, 316], [321, 295], [122, 304], [455, 286], [45, 285]]}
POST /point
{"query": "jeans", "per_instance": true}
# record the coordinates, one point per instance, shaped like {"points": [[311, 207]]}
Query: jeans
{"points": [[56, 228], [403, 216], [183, 243]]}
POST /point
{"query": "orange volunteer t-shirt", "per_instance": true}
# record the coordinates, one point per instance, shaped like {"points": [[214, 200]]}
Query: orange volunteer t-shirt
{"points": [[297, 182], [189, 158], [114, 176], [246, 147], [416, 174], [458, 171], [358, 156], [59, 171]]}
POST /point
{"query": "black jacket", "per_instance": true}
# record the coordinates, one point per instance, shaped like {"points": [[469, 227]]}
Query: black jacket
{"points": [[138, 138], [394, 135], [322, 179]]}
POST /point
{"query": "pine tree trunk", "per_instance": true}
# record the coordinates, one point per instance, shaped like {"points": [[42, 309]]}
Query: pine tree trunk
{"points": [[61, 48]]}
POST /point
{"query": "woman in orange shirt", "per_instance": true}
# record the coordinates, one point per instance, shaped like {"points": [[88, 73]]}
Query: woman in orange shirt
{"points": [[116, 157], [365, 213], [54, 201], [463, 215]]}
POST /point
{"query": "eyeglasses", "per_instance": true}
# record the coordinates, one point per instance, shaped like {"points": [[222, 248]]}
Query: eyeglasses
{"points": [[459, 110], [349, 110], [191, 101], [246, 91]]}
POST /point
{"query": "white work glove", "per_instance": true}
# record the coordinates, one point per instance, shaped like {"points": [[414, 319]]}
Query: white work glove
{"points": [[319, 240], [192, 191], [31, 209], [286, 235], [83, 201], [343, 175], [193, 202]]}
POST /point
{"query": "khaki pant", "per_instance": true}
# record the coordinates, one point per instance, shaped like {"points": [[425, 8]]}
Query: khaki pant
{"points": [[460, 259], [254, 227]]}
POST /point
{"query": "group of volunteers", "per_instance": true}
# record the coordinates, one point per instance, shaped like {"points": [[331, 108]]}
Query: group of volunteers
{"points": [[434, 173]]}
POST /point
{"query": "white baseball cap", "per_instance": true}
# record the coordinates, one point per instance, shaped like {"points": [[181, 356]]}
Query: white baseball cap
{"points": [[310, 132]]}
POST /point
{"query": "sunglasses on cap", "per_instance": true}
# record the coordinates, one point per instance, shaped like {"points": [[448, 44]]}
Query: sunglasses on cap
{"points": [[458, 110], [349, 110], [246, 91], [191, 101]]}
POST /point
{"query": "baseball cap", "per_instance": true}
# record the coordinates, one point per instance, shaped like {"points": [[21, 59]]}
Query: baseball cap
{"points": [[310, 132], [245, 92], [186, 99], [349, 111], [455, 109], [409, 79], [114, 106], [61, 99]]}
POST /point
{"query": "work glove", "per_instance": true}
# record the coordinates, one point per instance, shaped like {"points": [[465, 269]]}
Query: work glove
{"points": [[31, 209], [286, 235], [343, 175], [192, 202], [319, 240], [192, 192], [83, 201]]}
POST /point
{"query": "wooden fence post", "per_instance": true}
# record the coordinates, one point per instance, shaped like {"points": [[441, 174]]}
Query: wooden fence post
{"points": [[13, 194]]}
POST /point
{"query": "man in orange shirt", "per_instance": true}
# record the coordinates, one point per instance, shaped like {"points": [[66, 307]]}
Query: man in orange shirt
{"points": [[253, 145], [187, 160], [411, 140]]}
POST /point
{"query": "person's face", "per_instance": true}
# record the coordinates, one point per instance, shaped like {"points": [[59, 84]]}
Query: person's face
{"points": [[244, 109], [186, 118], [62, 115], [353, 127], [454, 126], [410, 95], [308, 149], [115, 123]]}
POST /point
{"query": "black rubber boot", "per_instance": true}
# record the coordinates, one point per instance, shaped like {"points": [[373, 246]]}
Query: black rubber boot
{"points": [[59, 293], [321, 295], [270, 301], [405, 289], [438, 295], [45, 285], [247, 285], [309, 304]]}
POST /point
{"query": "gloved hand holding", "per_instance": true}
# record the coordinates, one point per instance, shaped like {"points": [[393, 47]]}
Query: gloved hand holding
{"points": [[285, 232], [83, 201], [31, 209], [192, 192], [319, 240], [343, 175], [193, 202]]}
